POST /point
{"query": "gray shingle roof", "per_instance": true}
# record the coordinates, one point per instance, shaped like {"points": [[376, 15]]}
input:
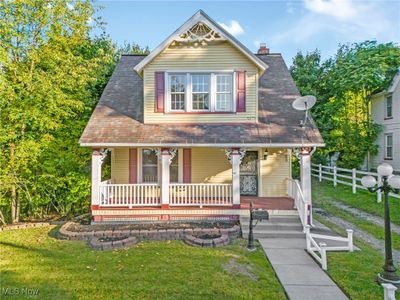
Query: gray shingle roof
{"points": [[118, 117]]}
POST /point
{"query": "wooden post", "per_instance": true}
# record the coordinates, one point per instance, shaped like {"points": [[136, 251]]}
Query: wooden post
{"points": [[165, 159], [323, 256], [389, 291], [350, 239], [354, 180], [97, 160], [305, 174], [235, 160], [334, 176], [320, 172]]}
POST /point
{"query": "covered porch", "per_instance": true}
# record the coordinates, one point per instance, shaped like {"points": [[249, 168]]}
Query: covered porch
{"points": [[190, 180]]}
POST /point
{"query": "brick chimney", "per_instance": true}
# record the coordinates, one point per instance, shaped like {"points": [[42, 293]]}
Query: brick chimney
{"points": [[263, 49]]}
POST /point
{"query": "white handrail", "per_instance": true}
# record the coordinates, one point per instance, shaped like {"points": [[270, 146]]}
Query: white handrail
{"points": [[303, 207], [200, 194], [313, 247]]}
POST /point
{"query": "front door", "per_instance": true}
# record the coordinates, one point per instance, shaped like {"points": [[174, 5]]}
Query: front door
{"points": [[248, 174]]}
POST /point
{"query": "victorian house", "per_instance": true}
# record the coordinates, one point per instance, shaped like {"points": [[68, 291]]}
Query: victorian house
{"points": [[197, 129]]}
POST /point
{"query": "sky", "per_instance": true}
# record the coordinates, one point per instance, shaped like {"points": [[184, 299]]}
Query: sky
{"points": [[285, 26]]}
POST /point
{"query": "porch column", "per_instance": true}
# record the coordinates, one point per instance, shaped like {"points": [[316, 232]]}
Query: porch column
{"points": [[97, 160], [235, 157], [305, 177], [165, 155]]}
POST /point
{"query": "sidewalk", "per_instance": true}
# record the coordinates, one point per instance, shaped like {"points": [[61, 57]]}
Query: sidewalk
{"points": [[299, 274]]}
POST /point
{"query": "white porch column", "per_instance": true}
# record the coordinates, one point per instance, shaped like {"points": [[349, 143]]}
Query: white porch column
{"points": [[235, 157], [165, 155], [97, 160], [305, 177]]}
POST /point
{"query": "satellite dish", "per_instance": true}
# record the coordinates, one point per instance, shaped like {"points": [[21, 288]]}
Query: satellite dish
{"points": [[304, 104]]}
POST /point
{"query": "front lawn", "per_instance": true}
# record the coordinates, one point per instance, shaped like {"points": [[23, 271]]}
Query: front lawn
{"points": [[59, 269]]}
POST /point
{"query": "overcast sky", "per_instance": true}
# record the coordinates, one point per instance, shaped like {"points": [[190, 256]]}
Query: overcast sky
{"points": [[286, 26]]}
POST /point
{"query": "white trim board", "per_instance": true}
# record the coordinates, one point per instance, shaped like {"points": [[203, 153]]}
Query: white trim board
{"points": [[201, 16], [184, 145]]}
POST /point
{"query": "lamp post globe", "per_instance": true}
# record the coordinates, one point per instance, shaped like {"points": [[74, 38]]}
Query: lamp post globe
{"points": [[385, 169], [394, 182], [368, 181]]}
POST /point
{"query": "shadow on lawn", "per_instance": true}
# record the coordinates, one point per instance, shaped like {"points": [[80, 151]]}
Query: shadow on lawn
{"points": [[14, 287]]}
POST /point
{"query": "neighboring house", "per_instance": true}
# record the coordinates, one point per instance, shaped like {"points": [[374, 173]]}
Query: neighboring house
{"points": [[197, 129], [385, 110]]}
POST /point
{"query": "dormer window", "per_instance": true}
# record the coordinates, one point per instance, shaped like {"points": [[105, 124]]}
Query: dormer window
{"points": [[200, 92]]}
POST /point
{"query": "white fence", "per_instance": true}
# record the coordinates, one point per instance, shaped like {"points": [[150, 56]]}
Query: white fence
{"points": [[321, 248], [303, 208], [199, 194], [350, 177], [130, 194]]}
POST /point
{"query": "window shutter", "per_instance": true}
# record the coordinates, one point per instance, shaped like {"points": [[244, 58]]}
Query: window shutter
{"points": [[240, 91], [160, 90], [187, 165], [132, 165]]}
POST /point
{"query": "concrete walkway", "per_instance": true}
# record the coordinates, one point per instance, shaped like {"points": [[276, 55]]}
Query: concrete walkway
{"points": [[301, 277]]}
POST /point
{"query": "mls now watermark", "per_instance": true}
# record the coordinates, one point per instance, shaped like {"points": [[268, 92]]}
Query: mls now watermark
{"points": [[11, 291]]}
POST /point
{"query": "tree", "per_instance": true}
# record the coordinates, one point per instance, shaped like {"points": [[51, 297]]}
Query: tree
{"points": [[343, 86]]}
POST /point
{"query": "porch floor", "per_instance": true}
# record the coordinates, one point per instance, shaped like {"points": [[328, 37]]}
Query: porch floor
{"points": [[270, 203]]}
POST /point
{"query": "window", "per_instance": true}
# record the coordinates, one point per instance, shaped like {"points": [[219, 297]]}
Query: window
{"points": [[194, 92], [389, 107], [389, 146], [177, 91], [200, 91], [149, 166], [224, 98]]}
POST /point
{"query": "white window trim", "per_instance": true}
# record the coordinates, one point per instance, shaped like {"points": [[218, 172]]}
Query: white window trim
{"points": [[188, 91], [386, 145], [386, 102]]}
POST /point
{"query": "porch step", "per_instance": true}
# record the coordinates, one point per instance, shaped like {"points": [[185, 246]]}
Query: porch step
{"points": [[275, 227]]}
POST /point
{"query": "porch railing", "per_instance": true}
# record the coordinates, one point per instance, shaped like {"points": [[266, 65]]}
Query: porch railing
{"points": [[146, 194], [303, 208], [200, 194]]}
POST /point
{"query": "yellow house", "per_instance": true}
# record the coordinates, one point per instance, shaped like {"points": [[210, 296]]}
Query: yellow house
{"points": [[197, 129]]}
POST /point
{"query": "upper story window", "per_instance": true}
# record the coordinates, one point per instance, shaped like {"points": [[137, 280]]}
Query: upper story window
{"points": [[200, 92], [388, 107]]}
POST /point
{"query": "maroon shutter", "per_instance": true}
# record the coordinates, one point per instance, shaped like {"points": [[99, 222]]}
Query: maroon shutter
{"points": [[160, 90], [187, 165], [132, 165], [240, 91]]}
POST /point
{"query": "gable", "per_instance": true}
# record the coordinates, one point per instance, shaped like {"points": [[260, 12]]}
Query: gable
{"points": [[200, 30]]}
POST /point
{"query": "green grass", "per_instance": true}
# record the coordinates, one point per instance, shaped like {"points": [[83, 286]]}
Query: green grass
{"points": [[59, 269], [362, 200], [355, 272], [323, 195]]}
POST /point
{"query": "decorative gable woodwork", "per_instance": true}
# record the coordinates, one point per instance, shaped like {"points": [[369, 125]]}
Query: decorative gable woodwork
{"points": [[199, 33]]}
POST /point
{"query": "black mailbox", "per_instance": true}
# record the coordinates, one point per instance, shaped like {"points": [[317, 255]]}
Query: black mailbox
{"points": [[260, 214]]}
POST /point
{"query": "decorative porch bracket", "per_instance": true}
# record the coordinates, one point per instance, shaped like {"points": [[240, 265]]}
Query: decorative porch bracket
{"points": [[235, 157], [165, 155]]}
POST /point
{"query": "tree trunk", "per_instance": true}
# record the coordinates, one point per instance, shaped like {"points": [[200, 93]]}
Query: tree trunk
{"points": [[14, 197]]}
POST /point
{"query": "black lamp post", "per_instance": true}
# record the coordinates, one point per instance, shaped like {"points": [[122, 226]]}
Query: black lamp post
{"points": [[250, 243], [390, 183]]}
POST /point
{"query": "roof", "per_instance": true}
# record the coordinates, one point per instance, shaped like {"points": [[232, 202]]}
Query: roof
{"points": [[118, 117], [201, 16]]}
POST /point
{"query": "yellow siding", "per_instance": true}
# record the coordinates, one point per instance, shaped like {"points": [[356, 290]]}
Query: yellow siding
{"points": [[213, 57], [210, 165], [120, 165], [275, 172]]}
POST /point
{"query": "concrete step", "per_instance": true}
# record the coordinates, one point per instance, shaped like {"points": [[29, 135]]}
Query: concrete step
{"points": [[276, 219], [273, 226], [258, 234]]}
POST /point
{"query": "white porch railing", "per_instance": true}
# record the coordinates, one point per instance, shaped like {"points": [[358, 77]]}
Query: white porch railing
{"points": [[303, 208], [144, 194], [200, 194], [313, 247]]}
